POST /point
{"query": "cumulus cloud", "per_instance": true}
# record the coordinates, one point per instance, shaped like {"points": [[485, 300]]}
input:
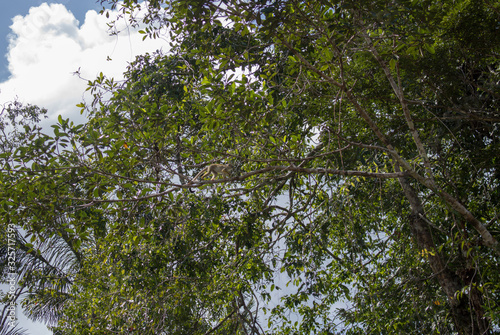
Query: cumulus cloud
{"points": [[48, 45]]}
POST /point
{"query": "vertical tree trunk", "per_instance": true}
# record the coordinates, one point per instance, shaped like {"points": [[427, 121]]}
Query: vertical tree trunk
{"points": [[466, 322]]}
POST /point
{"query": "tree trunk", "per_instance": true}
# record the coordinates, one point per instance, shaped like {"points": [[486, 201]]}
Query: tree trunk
{"points": [[466, 322]]}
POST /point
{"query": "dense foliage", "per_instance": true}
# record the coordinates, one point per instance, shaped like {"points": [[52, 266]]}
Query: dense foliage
{"points": [[364, 198]]}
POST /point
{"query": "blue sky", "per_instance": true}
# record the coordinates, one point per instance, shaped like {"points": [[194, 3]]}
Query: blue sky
{"points": [[9, 9], [42, 44]]}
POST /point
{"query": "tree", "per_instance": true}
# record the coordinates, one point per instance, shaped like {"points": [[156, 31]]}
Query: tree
{"points": [[365, 140], [39, 274]]}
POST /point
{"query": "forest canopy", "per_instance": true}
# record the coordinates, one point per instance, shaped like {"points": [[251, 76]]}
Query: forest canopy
{"points": [[363, 194]]}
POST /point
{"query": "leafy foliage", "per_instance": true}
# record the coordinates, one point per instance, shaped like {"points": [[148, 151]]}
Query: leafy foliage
{"points": [[364, 139]]}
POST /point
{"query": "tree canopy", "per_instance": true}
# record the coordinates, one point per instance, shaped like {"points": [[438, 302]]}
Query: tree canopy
{"points": [[364, 195]]}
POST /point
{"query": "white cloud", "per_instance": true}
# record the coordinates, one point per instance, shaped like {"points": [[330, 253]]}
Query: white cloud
{"points": [[47, 46]]}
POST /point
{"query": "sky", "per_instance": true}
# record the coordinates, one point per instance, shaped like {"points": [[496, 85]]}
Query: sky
{"points": [[42, 44], [9, 9]]}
